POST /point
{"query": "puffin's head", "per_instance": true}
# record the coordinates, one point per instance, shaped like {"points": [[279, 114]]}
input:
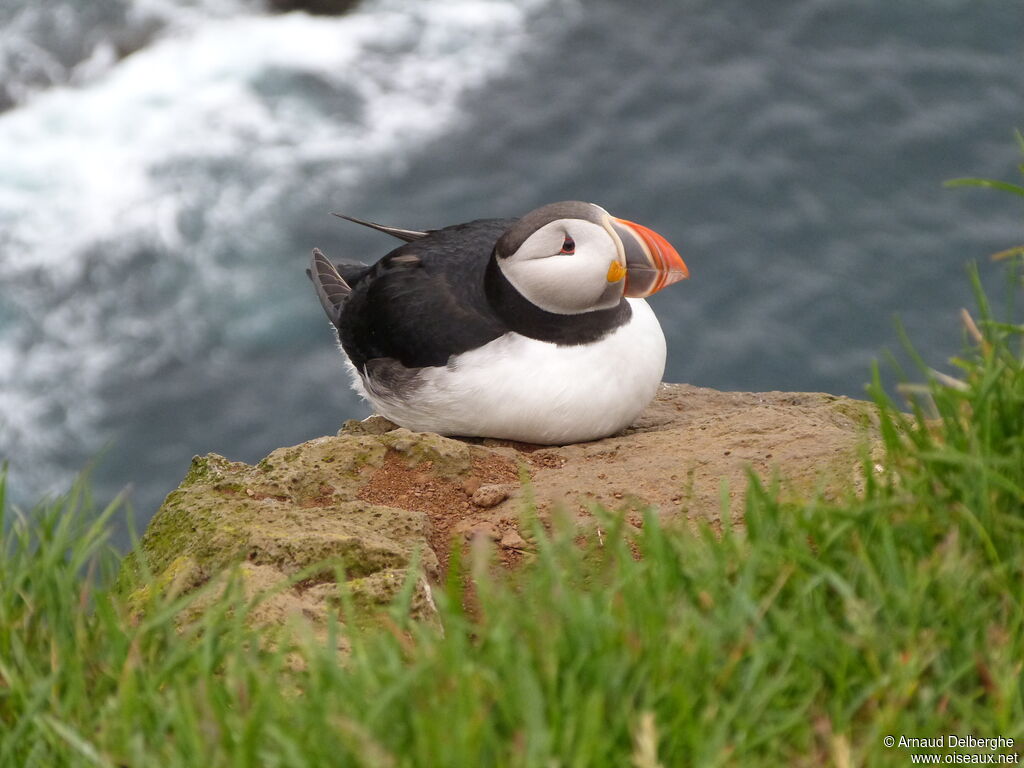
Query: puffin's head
{"points": [[573, 257]]}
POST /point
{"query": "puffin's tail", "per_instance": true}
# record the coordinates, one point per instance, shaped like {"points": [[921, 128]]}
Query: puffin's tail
{"points": [[331, 288]]}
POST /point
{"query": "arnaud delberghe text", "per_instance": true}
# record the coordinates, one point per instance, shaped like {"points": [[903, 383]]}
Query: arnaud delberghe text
{"points": [[952, 741]]}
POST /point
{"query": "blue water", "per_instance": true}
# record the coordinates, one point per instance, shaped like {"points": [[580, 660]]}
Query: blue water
{"points": [[165, 167]]}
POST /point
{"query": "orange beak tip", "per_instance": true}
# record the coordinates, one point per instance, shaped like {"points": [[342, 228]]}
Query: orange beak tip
{"points": [[661, 259]]}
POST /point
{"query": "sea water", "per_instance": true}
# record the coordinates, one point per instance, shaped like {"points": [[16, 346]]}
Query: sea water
{"points": [[166, 167]]}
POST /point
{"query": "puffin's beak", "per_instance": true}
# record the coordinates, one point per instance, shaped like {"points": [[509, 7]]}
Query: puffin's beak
{"points": [[651, 262]]}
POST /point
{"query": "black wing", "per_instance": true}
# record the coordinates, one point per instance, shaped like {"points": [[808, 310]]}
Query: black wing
{"points": [[424, 301]]}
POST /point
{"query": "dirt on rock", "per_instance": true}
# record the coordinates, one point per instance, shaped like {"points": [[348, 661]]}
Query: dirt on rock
{"points": [[382, 499], [447, 501], [692, 446]]}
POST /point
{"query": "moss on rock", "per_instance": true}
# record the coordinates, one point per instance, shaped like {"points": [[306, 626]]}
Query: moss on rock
{"points": [[296, 508]]}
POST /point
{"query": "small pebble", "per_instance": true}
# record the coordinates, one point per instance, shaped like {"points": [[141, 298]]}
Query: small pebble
{"points": [[488, 496], [512, 540], [483, 530]]}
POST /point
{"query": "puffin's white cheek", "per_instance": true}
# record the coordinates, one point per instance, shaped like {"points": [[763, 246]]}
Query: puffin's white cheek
{"points": [[564, 284]]}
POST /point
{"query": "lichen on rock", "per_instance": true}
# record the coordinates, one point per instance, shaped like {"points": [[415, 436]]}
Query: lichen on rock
{"points": [[293, 510]]}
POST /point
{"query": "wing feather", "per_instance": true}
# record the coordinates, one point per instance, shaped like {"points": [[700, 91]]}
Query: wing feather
{"points": [[408, 235]]}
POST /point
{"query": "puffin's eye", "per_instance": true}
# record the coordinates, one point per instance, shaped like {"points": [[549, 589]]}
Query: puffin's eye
{"points": [[569, 245]]}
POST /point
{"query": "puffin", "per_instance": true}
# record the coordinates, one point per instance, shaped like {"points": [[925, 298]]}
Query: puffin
{"points": [[531, 329]]}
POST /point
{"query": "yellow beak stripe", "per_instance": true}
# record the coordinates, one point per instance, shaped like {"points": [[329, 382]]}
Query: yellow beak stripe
{"points": [[616, 272]]}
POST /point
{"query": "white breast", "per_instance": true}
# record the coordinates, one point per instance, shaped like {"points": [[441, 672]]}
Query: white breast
{"points": [[517, 388]]}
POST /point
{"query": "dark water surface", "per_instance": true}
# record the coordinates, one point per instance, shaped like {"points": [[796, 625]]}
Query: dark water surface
{"points": [[156, 214]]}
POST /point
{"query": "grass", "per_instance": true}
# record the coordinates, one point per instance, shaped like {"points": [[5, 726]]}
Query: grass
{"points": [[802, 638]]}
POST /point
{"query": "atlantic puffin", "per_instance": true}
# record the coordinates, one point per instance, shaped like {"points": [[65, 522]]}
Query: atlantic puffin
{"points": [[531, 329]]}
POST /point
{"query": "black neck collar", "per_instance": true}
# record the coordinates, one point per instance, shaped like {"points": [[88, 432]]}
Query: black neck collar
{"points": [[526, 318]]}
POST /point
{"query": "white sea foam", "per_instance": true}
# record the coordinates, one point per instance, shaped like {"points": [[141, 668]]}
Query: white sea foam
{"points": [[122, 202]]}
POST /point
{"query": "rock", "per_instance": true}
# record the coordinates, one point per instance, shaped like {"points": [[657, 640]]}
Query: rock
{"points": [[691, 443], [512, 540], [372, 425], [487, 496], [315, 7], [379, 498], [483, 530], [440, 455], [295, 509]]}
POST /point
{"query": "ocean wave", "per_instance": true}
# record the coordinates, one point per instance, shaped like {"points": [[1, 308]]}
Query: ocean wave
{"points": [[58, 42], [132, 207]]}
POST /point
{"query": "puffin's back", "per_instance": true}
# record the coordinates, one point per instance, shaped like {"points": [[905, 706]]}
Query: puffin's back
{"points": [[424, 301]]}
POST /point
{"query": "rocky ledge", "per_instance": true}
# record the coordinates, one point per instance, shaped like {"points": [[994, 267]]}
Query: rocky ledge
{"points": [[382, 500]]}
